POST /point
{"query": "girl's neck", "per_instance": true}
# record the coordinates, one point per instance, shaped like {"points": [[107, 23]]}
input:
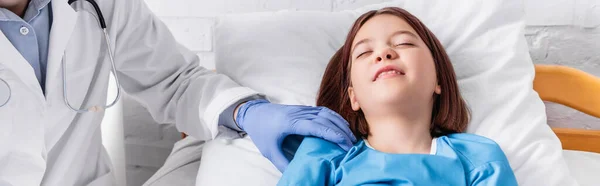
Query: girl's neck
{"points": [[400, 135]]}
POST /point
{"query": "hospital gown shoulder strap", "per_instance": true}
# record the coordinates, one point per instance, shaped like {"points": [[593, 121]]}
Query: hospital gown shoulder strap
{"points": [[314, 163], [493, 173]]}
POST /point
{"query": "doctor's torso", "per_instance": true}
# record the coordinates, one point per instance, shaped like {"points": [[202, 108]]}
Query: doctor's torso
{"points": [[41, 138]]}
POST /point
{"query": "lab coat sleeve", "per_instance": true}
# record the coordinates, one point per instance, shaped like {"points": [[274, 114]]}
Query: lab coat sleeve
{"points": [[314, 163], [492, 174], [165, 77]]}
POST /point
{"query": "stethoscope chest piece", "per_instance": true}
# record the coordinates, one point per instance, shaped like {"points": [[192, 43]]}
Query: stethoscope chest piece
{"points": [[5, 93]]}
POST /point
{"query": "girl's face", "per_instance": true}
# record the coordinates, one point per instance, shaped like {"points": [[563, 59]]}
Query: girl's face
{"points": [[390, 66]]}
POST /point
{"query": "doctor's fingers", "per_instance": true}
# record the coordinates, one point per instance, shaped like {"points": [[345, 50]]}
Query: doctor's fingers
{"points": [[303, 112], [279, 160], [348, 138], [272, 150], [337, 120], [323, 129]]}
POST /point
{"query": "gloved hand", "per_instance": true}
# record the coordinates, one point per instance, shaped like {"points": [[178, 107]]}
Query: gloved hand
{"points": [[269, 124]]}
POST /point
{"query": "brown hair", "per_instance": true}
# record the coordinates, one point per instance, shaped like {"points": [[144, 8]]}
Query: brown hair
{"points": [[450, 113]]}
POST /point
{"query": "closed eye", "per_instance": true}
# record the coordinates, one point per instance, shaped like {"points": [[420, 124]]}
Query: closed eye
{"points": [[361, 54], [406, 44]]}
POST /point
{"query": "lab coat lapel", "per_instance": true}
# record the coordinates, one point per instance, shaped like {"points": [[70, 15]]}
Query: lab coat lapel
{"points": [[13, 60], [64, 19], [63, 23]]}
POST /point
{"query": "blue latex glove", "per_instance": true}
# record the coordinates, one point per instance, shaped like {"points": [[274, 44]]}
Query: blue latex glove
{"points": [[269, 124]]}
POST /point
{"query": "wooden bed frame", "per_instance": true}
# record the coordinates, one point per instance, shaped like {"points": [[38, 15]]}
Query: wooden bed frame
{"points": [[572, 88], [575, 89]]}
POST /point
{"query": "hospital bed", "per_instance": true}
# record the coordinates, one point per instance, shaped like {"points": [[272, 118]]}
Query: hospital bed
{"points": [[581, 91], [575, 89]]}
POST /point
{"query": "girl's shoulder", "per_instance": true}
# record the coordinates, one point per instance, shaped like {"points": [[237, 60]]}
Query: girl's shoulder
{"points": [[313, 147], [475, 150], [470, 138]]}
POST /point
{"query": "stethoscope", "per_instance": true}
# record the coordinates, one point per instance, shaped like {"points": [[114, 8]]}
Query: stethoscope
{"points": [[112, 63], [4, 84]]}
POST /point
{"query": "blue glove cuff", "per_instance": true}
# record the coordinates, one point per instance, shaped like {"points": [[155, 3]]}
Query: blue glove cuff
{"points": [[244, 108]]}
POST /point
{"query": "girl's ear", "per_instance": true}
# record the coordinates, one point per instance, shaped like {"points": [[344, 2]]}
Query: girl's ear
{"points": [[438, 89], [353, 101]]}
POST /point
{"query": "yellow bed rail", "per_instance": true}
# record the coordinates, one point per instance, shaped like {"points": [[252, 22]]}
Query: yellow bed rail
{"points": [[569, 87], [575, 89]]}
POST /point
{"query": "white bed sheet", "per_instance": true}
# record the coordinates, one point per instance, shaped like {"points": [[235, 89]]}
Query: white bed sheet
{"points": [[584, 166]]}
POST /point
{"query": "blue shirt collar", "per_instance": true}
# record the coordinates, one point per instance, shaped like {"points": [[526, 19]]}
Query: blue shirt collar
{"points": [[7, 15]]}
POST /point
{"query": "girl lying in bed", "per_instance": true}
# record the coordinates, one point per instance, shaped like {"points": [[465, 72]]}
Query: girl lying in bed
{"points": [[394, 83]]}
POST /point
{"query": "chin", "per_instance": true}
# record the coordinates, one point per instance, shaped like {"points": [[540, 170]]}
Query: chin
{"points": [[390, 95]]}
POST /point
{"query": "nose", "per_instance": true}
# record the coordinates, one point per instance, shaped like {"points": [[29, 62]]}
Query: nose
{"points": [[387, 54]]}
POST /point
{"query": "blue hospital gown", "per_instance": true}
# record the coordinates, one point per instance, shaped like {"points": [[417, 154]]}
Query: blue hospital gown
{"points": [[459, 159]]}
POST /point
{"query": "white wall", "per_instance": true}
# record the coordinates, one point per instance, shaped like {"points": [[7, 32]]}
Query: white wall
{"points": [[562, 32]]}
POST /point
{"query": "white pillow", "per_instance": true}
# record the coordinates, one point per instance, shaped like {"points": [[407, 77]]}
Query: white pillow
{"points": [[284, 54]]}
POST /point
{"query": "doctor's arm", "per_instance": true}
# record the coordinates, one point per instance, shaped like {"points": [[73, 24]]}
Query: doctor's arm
{"points": [[492, 174], [167, 79]]}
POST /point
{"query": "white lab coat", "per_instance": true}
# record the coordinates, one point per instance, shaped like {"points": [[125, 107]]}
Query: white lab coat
{"points": [[43, 142]]}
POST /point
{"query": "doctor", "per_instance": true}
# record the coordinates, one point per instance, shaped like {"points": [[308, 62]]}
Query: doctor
{"points": [[55, 62]]}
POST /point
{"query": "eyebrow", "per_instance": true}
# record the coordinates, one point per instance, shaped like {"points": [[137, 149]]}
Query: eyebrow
{"points": [[399, 32], [366, 40]]}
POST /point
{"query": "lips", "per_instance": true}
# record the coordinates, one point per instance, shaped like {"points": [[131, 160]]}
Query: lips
{"points": [[389, 70]]}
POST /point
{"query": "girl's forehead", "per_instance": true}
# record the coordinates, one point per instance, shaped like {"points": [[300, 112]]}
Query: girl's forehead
{"points": [[383, 25]]}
